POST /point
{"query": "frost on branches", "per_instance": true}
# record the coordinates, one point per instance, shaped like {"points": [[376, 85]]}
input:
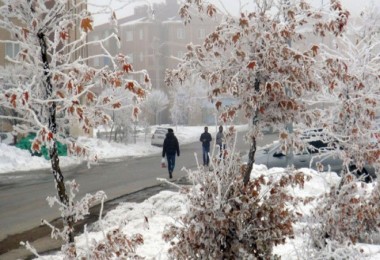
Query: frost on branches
{"points": [[348, 215], [154, 104], [352, 96], [114, 244], [187, 99], [226, 219], [274, 63], [49, 83], [257, 59]]}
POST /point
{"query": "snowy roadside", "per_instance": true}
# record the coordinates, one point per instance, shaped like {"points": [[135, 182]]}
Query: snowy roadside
{"points": [[167, 207], [13, 159]]}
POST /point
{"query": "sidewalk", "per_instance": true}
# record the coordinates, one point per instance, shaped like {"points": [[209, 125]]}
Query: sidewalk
{"points": [[40, 238]]}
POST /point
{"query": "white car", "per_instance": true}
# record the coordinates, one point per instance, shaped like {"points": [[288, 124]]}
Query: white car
{"points": [[315, 153], [158, 136]]}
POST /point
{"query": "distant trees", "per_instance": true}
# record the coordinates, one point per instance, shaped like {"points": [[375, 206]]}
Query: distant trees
{"points": [[56, 88], [123, 122], [187, 99], [156, 102]]}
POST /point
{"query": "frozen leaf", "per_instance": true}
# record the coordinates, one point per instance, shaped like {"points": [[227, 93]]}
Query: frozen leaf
{"points": [[64, 35], [211, 10], [236, 37], [130, 86], [218, 104], [315, 50], [127, 68], [86, 24], [90, 96], [244, 22], [251, 65], [116, 105]]}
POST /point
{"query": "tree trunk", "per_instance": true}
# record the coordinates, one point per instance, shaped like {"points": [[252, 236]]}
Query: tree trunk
{"points": [[252, 149], [251, 160], [53, 151]]}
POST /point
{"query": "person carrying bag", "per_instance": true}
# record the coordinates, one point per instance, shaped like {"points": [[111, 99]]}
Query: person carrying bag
{"points": [[170, 149]]}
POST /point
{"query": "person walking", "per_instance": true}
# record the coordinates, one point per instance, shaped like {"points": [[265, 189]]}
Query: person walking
{"points": [[220, 141], [170, 149], [205, 139]]}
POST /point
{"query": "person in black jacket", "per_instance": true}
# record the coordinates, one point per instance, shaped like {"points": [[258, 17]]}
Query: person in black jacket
{"points": [[205, 139], [170, 148]]}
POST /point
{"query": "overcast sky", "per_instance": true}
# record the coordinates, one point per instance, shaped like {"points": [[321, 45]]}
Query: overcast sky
{"points": [[354, 6]]}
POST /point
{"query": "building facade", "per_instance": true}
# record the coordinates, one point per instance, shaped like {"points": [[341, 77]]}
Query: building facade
{"points": [[154, 40]]}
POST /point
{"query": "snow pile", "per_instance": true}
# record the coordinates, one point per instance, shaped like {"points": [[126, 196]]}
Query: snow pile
{"points": [[150, 217]]}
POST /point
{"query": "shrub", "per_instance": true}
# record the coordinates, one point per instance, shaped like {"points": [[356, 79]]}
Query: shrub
{"points": [[229, 220], [348, 214]]}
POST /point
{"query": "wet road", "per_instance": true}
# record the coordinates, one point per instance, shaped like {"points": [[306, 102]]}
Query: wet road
{"points": [[23, 197]]}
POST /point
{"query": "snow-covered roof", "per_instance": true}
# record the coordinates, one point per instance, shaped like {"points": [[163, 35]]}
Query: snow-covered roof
{"points": [[139, 20], [174, 19]]}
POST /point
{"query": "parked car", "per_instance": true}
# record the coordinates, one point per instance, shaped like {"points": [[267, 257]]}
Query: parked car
{"points": [[6, 138], [315, 153], [158, 136]]}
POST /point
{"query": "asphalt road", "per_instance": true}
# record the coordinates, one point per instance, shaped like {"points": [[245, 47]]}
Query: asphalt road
{"points": [[23, 195]]}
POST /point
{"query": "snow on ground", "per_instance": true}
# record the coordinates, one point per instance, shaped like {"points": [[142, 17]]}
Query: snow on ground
{"points": [[13, 159], [167, 206]]}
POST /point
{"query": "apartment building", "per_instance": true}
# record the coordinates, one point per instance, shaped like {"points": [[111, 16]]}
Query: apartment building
{"points": [[154, 39]]}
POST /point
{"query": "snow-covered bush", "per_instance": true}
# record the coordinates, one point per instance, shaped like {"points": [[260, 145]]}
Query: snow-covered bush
{"points": [[229, 220], [348, 214], [114, 245]]}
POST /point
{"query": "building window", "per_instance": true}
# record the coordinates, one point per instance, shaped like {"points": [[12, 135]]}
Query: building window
{"points": [[12, 49], [201, 33], [180, 33], [141, 56], [107, 61], [129, 36], [96, 62], [130, 57], [141, 34]]}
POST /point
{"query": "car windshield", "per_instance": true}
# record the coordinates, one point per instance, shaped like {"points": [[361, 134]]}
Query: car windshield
{"points": [[161, 131], [315, 146]]}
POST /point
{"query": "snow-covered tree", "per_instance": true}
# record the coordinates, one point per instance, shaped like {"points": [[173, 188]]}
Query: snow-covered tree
{"points": [[156, 102], [56, 88], [256, 59], [274, 62], [187, 98], [352, 93], [349, 214], [122, 121]]}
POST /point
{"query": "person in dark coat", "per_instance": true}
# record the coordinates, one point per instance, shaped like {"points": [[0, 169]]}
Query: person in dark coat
{"points": [[206, 139], [220, 142], [170, 149]]}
